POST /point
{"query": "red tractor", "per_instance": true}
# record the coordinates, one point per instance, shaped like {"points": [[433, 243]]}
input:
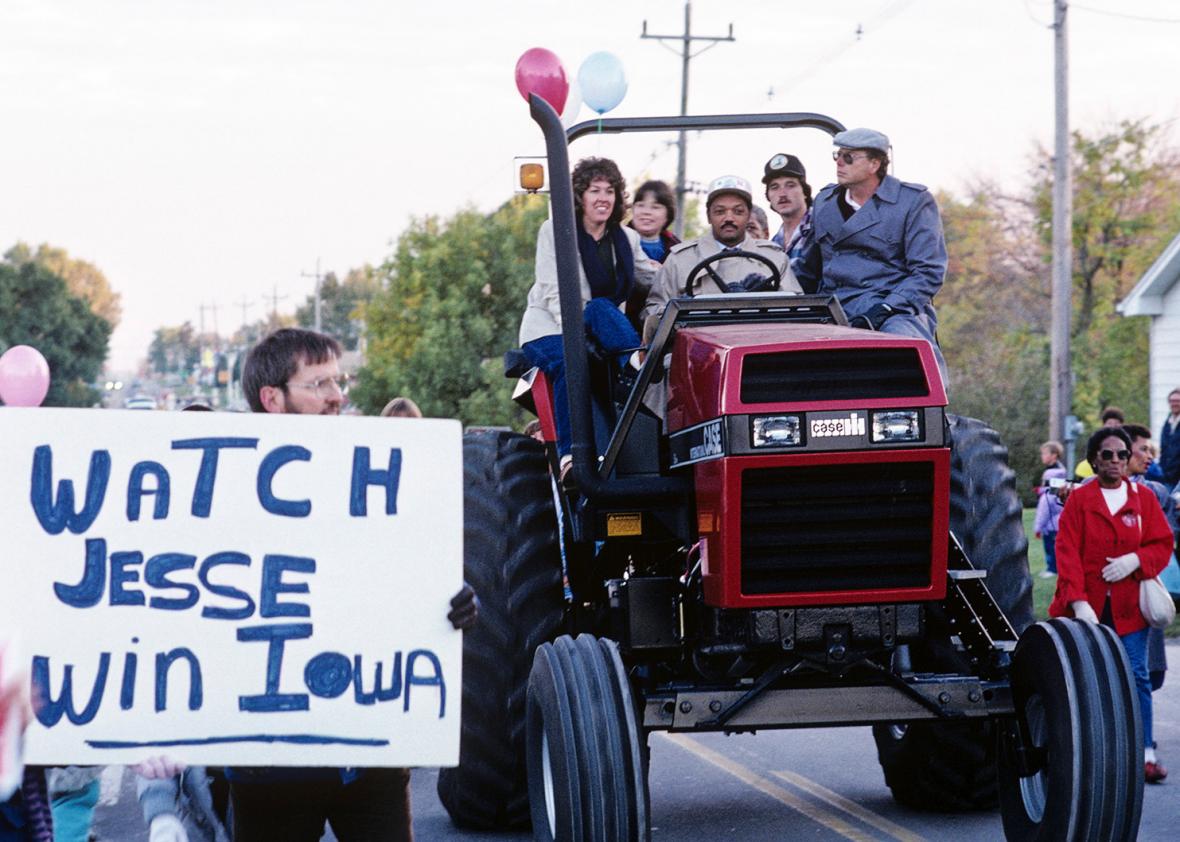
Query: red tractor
{"points": [[809, 540]]}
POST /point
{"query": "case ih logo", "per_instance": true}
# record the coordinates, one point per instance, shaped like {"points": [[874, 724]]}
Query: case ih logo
{"points": [[710, 442], [696, 444], [850, 425]]}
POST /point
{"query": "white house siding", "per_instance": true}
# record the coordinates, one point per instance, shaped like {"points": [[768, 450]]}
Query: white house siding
{"points": [[1165, 356]]}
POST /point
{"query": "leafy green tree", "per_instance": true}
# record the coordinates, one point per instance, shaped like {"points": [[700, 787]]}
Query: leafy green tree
{"points": [[453, 294], [38, 310], [83, 279], [342, 305], [174, 350]]}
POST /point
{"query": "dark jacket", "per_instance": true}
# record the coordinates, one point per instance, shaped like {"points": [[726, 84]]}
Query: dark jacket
{"points": [[1170, 453]]}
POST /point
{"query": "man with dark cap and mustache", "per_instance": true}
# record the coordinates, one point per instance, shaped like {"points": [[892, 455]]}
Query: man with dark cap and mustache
{"points": [[728, 207]]}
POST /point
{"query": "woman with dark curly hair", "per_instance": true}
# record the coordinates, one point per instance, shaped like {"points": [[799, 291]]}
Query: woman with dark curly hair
{"points": [[652, 216], [1110, 537], [613, 266]]}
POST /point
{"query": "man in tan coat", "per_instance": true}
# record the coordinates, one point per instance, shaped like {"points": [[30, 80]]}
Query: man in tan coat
{"points": [[728, 207]]}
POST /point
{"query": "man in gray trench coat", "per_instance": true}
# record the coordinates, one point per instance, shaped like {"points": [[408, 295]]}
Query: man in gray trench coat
{"points": [[876, 243]]}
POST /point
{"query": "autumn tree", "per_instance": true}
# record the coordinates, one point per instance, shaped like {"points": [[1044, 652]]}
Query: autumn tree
{"points": [[83, 279], [995, 303]]}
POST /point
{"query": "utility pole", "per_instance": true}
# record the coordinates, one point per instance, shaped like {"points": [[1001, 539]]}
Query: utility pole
{"points": [[318, 279], [1061, 386], [686, 55], [245, 303], [274, 299]]}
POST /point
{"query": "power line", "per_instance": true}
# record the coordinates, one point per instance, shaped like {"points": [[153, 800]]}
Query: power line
{"points": [[686, 55], [1124, 15], [844, 44], [1034, 18]]}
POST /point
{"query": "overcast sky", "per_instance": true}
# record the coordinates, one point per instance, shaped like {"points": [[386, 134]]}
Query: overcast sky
{"points": [[209, 151]]}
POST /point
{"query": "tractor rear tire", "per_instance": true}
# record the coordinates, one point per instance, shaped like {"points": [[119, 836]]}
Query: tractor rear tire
{"points": [[512, 560], [587, 779], [951, 767], [1078, 713]]}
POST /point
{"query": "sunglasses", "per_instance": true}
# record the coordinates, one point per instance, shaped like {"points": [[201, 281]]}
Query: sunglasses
{"points": [[848, 157], [1111, 455]]}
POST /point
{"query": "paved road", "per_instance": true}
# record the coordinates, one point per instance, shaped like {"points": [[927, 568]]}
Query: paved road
{"points": [[815, 784]]}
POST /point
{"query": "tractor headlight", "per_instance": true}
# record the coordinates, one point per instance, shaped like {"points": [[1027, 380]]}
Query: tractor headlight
{"points": [[897, 425], [776, 431]]}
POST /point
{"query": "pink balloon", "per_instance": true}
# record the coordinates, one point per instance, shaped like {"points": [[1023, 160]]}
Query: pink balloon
{"points": [[539, 71], [24, 376]]}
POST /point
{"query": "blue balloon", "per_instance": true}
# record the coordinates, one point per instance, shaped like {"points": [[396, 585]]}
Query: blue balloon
{"points": [[603, 82]]}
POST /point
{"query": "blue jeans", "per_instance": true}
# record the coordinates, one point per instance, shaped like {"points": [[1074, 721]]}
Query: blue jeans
{"points": [[1049, 539], [606, 323], [1136, 646]]}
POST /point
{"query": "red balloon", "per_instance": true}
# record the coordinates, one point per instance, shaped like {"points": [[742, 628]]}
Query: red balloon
{"points": [[539, 71]]}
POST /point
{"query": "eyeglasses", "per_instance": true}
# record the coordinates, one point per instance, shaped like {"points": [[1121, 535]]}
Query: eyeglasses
{"points": [[325, 387], [1111, 455], [848, 157]]}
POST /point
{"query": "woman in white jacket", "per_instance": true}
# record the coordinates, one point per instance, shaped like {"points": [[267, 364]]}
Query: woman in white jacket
{"points": [[613, 268]]}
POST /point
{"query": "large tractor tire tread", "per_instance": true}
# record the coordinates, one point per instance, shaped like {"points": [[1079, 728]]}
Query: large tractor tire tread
{"points": [[950, 767], [934, 767], [512, 561], [986, 516]]}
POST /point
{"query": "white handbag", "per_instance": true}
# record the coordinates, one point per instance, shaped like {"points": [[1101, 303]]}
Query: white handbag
{"points": [[1156, 603]]}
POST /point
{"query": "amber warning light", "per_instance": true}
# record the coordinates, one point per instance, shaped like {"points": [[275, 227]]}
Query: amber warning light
{"points": [[532, 177]]}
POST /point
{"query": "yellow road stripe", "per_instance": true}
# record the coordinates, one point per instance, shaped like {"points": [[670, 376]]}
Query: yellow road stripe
{"points": [[851, 807], [816, 813]]}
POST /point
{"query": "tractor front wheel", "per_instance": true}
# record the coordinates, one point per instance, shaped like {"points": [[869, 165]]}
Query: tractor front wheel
{"points": [[586, 773], [1078, 727]]}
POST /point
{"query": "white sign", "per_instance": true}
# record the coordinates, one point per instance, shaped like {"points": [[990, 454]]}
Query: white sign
{"points": [[234, 589]]}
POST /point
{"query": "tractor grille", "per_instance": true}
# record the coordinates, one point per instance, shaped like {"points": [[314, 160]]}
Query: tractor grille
{"points": [[839, 374], [837, 527]]}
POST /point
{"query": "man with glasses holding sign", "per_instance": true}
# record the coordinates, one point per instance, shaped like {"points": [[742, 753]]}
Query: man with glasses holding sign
{"points": [[297, 371], [876, 243]]}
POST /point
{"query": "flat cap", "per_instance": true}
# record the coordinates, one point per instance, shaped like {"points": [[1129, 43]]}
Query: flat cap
{"points": [[862, 139], [730, 184]]}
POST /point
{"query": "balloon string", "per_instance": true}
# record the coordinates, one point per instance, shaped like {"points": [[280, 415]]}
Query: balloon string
{"points": [[600, 124]]}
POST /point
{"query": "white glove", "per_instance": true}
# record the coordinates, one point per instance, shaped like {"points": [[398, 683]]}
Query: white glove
{"points": [[167, 828], [1083, 611], [1120, 567], [159, 768]]}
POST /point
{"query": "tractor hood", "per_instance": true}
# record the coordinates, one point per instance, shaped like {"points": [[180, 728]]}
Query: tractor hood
{"points": [[743, 368]]}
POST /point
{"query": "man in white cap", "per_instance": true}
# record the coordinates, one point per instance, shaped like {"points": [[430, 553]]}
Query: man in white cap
{"points": [[728, 208], [876, 243]]}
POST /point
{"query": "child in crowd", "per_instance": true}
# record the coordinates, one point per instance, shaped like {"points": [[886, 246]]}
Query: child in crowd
{"points": [[1049, 505]]}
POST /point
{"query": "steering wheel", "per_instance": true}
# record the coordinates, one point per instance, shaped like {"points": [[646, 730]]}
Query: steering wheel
{"points": [[706, 265]]}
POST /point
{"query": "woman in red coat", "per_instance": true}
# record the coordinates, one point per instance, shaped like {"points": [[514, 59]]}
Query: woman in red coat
{"points": [[1110, 537]]}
